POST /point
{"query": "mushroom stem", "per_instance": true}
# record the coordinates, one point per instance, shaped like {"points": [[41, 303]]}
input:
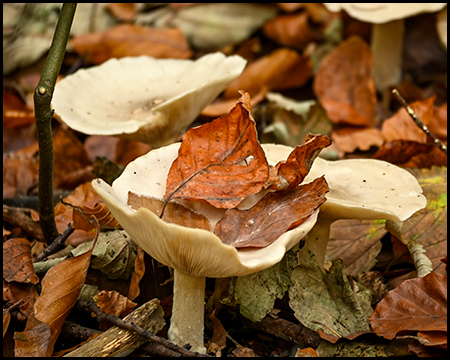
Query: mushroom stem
{"points": [[187, 321], [387, 48], [317, 240]]}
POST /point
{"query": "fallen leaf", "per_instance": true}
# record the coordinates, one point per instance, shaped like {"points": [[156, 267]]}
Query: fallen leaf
{"points": [[100, 211], [328, 301], [357, 243], [344, 84], [292, 30], [282, 69], [289, 173], [416, 304], [112, 302], [220, 162], [132, 40], [401, 127], [174, 213], [349, 139], [272, 216], [17, 265]]}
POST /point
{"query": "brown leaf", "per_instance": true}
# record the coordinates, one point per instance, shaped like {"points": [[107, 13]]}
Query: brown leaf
{"points": [[291, 172], [281, 69], [132, 40], [274, 214], [112, 302], [100, 211], [293, 30], [344, 83], [17, 265], [416, 304], [349, 139], [60, 289], [174, 213], [220, 162], [401, 127]]}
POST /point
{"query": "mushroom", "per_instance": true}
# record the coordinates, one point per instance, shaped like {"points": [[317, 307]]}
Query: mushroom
{"points": [[358, 189], [387, 33], [142, 98], [194, 254]]}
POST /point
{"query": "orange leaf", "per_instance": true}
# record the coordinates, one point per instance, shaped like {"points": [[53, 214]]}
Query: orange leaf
{"points": [[220, 162], [273, 215], [290, 173], [100, 211], [416, 304], [17, 265], [344, 83]]}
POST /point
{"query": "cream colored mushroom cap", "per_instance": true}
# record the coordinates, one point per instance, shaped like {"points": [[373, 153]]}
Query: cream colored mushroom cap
{"points": [[362, 188], [378, 13], [143, 98], [192, 251]]}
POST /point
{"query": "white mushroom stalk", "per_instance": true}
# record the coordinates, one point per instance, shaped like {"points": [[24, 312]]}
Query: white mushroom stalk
{"points": [[194, 254], [142, 98], [359, 189]]}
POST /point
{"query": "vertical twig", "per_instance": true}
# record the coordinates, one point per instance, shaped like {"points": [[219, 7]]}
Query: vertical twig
{"points": [[419, 122], [42, 97]]}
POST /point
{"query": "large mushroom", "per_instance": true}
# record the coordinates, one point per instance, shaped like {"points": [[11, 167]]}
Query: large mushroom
{"points": [[359, 189], [194, 254], [142, 98], [387, 33]]}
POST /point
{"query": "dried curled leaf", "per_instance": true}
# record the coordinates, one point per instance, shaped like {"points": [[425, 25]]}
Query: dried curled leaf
{"points": [[112, 302], [287, 174], [100, 211], [220, 162], [272, 216]]}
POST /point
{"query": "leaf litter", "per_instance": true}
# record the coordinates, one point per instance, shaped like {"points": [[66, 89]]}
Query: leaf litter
{"points": [[291, 71]]}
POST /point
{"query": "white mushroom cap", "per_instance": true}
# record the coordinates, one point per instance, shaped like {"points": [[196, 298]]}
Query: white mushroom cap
{"points": [[142, 98], [378, 13], [194, 252], [362, 188]]}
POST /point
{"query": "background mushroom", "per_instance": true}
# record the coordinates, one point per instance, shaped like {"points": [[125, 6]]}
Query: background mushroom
{"points": [[142, 98], [359, 189], [193, 253], [387, 33]]}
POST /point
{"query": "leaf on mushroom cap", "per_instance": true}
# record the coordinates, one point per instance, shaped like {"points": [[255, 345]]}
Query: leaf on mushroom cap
{"points": [[378, 13], [142, 98], [362, 188], [273, 215], [220, 162]]}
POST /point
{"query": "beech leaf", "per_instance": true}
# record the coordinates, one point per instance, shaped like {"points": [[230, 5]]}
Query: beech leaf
{"points": [[288, 174], [273, 215], [220, 162], [416, 304]]}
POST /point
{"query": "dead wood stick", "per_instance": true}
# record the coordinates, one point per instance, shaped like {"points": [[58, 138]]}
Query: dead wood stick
{"points": [[120, 342]]}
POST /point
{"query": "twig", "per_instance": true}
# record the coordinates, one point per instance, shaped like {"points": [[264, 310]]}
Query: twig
{"points": [[42, 97], [101, 316], [57, 244], [419, 122]]}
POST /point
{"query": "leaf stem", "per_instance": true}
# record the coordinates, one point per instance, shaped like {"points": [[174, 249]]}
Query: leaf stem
{"points": [[42, 97]]}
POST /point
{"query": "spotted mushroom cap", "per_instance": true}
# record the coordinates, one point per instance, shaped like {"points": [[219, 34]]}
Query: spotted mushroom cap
{"points": [[362, 188], [195, 252], [142, 98]]}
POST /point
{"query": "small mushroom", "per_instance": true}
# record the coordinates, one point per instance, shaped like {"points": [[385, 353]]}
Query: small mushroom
{"points": [[194, 254], [359, 189], [387, 33], [142, 98]]}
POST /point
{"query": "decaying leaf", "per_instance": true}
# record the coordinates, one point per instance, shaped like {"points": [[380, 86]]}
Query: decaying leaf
{"points": [[416, 304], [220, 162], [273, 215], [17, 265], [174, 213], [99, 210]]}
